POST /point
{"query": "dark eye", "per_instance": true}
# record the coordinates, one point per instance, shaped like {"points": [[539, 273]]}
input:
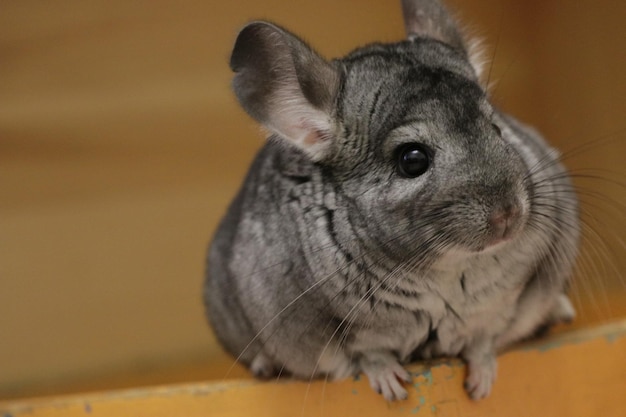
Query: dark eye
{"points": [[413, 160]]}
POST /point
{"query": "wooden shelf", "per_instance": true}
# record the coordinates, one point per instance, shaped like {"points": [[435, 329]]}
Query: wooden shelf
{"points": [[578, 373], [121, 145]]}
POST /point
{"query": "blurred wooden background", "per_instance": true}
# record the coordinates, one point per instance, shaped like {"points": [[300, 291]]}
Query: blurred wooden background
{"points": [[121, 145]]}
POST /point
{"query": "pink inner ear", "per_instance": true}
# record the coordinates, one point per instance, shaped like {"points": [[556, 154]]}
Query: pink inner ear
{"points": [[303, 125], [315, 136], [312, 138]]}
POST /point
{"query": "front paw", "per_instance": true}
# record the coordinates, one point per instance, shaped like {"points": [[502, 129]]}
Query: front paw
{"points": [[386, 375], [262, 366], [481, 374], [563, 311]]}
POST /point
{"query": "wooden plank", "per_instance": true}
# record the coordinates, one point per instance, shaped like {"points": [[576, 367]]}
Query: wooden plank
{"points": [[580, 373]]}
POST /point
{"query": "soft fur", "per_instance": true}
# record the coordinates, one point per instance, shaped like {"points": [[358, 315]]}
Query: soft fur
{"points": [[329, 262]]}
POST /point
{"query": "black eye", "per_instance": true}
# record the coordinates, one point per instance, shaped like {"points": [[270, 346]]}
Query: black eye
{"points": [[413, 160]]}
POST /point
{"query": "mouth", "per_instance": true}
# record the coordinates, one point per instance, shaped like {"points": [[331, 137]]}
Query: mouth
{"points": [[497, 242], [501, 236]]}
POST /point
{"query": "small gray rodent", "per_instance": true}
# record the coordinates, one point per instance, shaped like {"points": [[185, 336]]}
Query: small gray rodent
{"points": [[393, 215]]}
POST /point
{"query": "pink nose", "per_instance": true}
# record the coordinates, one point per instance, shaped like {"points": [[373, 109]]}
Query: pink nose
{"points": [[504, 221]]}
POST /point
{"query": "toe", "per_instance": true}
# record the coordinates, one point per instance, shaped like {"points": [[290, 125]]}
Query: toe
{"points": [[386, 376], [479, 380]]}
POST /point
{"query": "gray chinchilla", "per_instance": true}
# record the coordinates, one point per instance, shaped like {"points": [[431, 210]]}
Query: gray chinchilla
{"points": [[394, 213]]}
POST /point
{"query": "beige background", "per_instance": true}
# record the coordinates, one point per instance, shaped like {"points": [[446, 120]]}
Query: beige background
{"points": [[121, 145]]}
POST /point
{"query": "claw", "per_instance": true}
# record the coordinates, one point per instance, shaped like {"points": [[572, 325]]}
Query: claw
{"points": [[386, 376], [480, 378], [481, 368]]}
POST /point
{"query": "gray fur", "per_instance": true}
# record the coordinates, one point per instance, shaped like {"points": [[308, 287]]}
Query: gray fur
{"points": [[328, 262]]}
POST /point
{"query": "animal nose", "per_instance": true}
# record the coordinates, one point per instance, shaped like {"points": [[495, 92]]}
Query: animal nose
{"points": [[505, 219]]}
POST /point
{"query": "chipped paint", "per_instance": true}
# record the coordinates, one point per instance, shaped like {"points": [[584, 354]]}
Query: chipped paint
{"points": [[437, 389], [547, 346], [452, 371], [423, 378], [611, 333], [422, 402]]}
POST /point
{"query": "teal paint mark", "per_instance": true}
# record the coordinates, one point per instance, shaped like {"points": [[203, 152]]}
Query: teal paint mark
{"points": [[611, 333], [354, 392], [548, 346], [422, 401], [433, 408], [87, 408], [451, 374], [425, 378], [422, 379], [613, 337], [7, 415], [429, 377]]}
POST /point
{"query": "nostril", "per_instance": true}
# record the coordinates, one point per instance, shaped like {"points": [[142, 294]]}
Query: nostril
{"points": [[511, 211], [497, 218], [505, 219], [498, 222]]}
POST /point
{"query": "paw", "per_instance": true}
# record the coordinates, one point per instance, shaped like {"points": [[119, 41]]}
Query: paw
{"points": [[480, 377], [387, 382], [563, 310], [262, 367], [386, 376]]}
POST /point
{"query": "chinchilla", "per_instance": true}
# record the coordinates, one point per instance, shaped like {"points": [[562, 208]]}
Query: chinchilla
{"points": [[393, 214]]}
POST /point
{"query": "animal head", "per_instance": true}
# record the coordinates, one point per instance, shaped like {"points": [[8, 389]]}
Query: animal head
{"points": [[404, 130]]}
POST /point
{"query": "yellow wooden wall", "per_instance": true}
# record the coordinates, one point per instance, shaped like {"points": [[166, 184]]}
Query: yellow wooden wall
{"points": [[121, 144]]}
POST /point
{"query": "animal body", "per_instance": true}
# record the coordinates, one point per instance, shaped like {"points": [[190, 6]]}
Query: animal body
{"points": [[394, 214]]}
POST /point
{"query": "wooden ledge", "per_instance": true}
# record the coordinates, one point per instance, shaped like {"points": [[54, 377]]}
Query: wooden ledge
{"points": [[580, 373]]}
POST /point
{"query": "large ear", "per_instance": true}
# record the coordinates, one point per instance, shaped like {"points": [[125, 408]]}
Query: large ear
{"points": [[286, 86], [430, 18]]}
